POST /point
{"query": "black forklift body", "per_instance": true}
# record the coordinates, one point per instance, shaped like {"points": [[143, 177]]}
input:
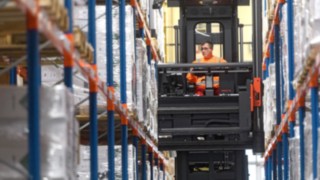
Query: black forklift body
{"points": [[212, 165], [211, 133], [189, 122]]}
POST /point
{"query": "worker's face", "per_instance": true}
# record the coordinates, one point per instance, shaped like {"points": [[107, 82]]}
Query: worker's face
{"points": [[206, 51]]}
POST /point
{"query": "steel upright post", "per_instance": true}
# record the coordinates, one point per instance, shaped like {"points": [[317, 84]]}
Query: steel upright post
{"points": [[110, 105], [143, 160], [291, 57], [68, 61], [278, 91], [151, 162], [136, 145], [302, 114], [93, 95], [124, 120], [33, 96], [13, 76], [315, 122]]}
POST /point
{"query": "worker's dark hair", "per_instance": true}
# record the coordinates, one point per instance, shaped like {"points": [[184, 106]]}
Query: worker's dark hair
{"points": [[208, 42]]}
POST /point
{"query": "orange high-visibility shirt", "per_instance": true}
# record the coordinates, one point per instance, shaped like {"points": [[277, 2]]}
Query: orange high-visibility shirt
{"points": [[200, 81]]}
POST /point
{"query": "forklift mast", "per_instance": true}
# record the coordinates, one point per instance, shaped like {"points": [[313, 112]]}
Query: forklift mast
{"points": [[211, 133], [223, 13]]}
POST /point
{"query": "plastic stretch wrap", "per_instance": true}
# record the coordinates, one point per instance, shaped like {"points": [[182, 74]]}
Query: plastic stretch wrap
{"points": [[84, 167], [294, 156], [265, 21], [80, 2], [145, 6], [150, 121], [57, 149], [155, 173], [146, 97], [168, 176], [160, 175], [148, 170], [299, 36], [284, 53], [315, 18], [142, 94], [318, 152], [157, 23], [153, 100], [306, 23], [51, 74], [270, 107], [141, 70], [308, 145], [160, 32], [81, 19]]}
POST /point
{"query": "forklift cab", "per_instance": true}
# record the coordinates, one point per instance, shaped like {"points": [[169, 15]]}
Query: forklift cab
{"points": [[213, 130], [208, 20]]}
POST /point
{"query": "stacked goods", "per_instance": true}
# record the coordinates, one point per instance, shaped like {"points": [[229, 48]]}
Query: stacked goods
{"points": [[315, 18], [299, 36], [84, 166], [308, 145], [294, 156], [153, 101], [13, 29], [270, 107], [141, 68], [318, 151], [306, 23], [52, 75], [81, 20], [148, 170], [141, 81], [284, 53], [157, 24], [58, 150], [145, 6], [146, 98], [155, 172]]}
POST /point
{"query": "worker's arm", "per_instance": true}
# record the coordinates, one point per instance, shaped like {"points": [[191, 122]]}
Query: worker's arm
{"points": [[191, 77], [223, 60]]}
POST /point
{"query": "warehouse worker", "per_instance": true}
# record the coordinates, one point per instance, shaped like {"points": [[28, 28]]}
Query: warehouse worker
{"points": [[199, 81]]}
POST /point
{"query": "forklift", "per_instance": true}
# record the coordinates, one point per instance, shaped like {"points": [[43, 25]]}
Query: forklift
{"points": [[210, 133]]}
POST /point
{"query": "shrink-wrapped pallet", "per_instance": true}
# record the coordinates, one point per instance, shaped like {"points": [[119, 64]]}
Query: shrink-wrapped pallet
{"points": [[84, 166], [58, 150], [81, 19], [141, 70], [308, 145], [294, 156]]}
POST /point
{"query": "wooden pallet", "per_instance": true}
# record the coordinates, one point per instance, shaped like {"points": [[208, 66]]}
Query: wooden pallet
{"points": [[44, 62], [309, 62], [13, 45], [82, 45], [13, 20]]}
